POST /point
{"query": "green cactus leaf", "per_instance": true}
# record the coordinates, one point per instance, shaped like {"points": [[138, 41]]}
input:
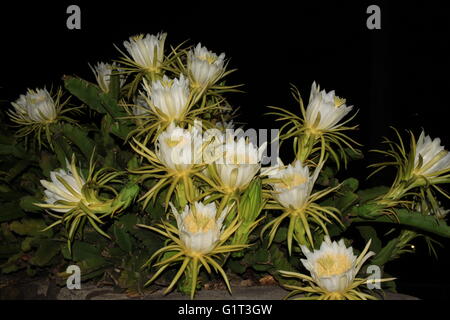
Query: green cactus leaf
{"points": [[350, 184], [79, 137], [86, 92], [405, 217], [122, 237], [27, 204], [13, 264], [369, 233], [11, 211], [372, 193], [46, 251], [8, 249], [236, 266], [31, 227]]}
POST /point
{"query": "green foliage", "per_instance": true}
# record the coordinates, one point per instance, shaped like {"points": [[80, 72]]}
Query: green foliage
{"points": [[105, 240]]}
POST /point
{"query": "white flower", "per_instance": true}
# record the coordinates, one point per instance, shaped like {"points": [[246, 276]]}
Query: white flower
{"points": [[238, 161], [431, 159], [102, 72], [179, 149], [147, 52], [204, 66], [292, 184], [334, 266], [199, 229], [325, 110], [168, 98], [36, 106], [63, 192]]}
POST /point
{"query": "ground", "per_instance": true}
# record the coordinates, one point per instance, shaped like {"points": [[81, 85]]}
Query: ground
{"points": [[44, 288]]}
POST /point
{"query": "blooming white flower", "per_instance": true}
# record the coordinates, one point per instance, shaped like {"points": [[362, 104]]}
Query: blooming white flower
{"points": [[205, 67], [102, 72], [35, 106], [199, 228], [179, 149], [238, 161], [325, 110], [334, 266], [147, 51], [168, 98], [431, 159], [293, 184], [63, 192]]}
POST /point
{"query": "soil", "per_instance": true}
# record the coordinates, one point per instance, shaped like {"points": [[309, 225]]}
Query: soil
{"points": [[45, 288]]}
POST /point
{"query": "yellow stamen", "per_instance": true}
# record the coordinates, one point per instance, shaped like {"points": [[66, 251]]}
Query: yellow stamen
{"points": [[195, 223], [172, 142], [339, 101], [332, 264], [291, 181], [208, 58]]}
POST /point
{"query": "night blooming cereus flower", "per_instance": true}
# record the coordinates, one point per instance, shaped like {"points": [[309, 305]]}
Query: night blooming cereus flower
{"points": [[179, 149], [237, 162], [163, 102], [199, 229], [292, 189], [36, 106], [205, 67], [147, 52], [177, 155], [333, 270], [197, 241], [430, 159], [71, 195], [63, 192], [36, 111], [293, 184], [319, 123], [103, 72], [325, 110], [426, 164], [168, 98]]}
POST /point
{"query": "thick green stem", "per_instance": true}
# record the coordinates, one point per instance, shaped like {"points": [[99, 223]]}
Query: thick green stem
{"points": [[394, 247], [412, 219], [305, 146]]}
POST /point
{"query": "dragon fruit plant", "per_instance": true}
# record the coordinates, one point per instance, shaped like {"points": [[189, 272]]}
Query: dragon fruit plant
{"points": [[141, 177]]}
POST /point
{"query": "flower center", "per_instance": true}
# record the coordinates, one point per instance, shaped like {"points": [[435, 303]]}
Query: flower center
{"points": [[172, 142], [292, 181], [239, 158], [338, 101], [208, 58], [37, 99], [196, 223], [332, 264], [167, 83]]}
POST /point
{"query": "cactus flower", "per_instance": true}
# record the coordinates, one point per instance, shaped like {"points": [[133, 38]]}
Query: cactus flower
{"points": [[205, 67]]}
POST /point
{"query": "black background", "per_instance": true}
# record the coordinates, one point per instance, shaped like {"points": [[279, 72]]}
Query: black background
{"points": [[395, 76]]}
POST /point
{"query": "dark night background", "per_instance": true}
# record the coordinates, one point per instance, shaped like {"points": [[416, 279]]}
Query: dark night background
{"points": [[395, 76]]}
